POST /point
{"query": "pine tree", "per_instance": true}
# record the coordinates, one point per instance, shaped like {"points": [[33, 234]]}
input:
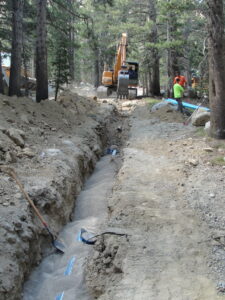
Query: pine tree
{"points": [[41, 52], [216, 67], [16, 52]]}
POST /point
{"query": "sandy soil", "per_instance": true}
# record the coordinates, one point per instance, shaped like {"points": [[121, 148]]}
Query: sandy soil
{"points": [[169, 200]]}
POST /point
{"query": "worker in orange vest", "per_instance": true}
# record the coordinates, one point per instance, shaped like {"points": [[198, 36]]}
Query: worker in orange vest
{"points": [[182, 80]]}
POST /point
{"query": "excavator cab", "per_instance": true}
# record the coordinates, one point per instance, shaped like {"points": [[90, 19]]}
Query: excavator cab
{"points": [[133, 72], [133, 68]]}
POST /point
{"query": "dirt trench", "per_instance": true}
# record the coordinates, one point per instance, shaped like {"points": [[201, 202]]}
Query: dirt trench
{"points": [[168, 197], [53, 147]]}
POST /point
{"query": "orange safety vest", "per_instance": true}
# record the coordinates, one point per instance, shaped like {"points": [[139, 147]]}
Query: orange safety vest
{"points": [[182, 80]]}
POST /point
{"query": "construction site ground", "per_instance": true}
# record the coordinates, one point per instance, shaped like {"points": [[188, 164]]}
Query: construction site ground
{"points": [[167, 197]]}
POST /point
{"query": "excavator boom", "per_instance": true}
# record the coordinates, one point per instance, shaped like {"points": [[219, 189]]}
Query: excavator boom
{"points": [[120, 57]]}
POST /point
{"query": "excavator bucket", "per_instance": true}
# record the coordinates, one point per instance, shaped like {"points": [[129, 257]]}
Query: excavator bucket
{"points": [[122, 87]]}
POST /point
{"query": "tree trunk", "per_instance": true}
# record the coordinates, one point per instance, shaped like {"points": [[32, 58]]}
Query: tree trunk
{"points": [[16, 52], [1, 76], [25, 65], [26, 80], [146, 84], [41, 52], [71, 54], [186, 59], [216, 67], [96, 68], [155, 79], [71, 51], [172, 54]]}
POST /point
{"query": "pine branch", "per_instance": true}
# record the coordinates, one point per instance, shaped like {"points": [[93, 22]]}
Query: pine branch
{"points": [[81, 16]]}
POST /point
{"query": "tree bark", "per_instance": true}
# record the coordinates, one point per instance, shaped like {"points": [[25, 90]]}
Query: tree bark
{"points": [[216, 67], [155, 78], [41, 52], [71, 54], [1, 75], [146, 84], [71, 50], [16, 52], [172, 54], [25, 65], [96, 68]]}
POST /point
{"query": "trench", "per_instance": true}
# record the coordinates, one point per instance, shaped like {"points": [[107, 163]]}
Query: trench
{"points": [[61, 277]]}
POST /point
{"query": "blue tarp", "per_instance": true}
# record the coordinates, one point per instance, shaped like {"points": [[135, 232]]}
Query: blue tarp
{"points": [[187, 105]]}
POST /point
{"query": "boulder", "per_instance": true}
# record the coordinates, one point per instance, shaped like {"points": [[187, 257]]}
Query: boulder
{"points": [[207, 127], [27, 152], [200, 117], [24, 119], [157, 106], [16, 135], [10, 157], [193, 162]]}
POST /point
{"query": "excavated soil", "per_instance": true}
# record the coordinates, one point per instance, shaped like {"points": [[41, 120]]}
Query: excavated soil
{"points": [[168, 114], [53, 147]]}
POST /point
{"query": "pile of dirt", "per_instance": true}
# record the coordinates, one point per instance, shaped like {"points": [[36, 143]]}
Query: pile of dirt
{"points": [[168, 114], [53, 147]]}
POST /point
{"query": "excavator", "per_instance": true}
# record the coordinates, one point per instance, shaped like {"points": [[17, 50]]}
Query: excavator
{"points": [[123, 78]]}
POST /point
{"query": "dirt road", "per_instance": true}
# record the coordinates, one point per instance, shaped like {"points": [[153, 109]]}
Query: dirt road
{"points": [[170, 253]]}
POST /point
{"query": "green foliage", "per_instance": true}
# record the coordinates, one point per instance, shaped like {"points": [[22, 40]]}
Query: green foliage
{"points": [[5, 28], [97, 26], [151, 102], [219, 161], [60, 66], [200, 132], [59, 45]]}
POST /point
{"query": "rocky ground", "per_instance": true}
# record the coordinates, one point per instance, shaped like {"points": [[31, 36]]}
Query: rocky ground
{"points": [[169, 200], [168, 197], [53, 147]]}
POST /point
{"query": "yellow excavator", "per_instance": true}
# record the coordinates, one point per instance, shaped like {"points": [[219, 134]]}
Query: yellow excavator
{"points": [[123, 78]]}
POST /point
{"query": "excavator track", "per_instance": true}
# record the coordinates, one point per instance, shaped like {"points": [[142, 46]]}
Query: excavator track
{"points": [[132, 93], [102, 92]]}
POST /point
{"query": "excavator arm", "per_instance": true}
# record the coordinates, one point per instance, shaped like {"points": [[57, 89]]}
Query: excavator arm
{"points": [[120, 56]]}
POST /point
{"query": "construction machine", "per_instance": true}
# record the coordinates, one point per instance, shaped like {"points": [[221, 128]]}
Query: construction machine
{"points": [[26, 81], [123, 78]]}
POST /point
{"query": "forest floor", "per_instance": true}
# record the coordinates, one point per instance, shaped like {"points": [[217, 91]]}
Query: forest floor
{"points": [[168, 196]]}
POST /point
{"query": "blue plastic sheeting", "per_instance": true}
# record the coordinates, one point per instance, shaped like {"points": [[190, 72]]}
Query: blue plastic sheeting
{"points": [[69, 267], [86, 241], [187, 105], [112, 151], [60, 297]]}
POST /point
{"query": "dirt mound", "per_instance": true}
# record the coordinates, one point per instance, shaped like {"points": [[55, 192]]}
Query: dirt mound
{"points": [[168, 114]]}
